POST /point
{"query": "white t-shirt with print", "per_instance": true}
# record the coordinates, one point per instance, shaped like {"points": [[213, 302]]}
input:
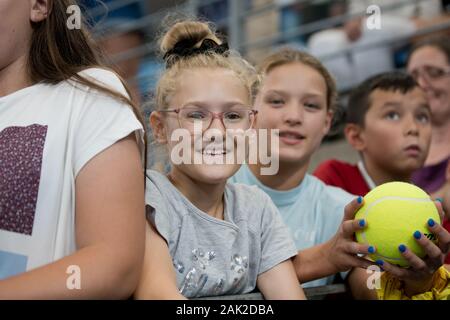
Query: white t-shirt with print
{"points": [[47, 134]]}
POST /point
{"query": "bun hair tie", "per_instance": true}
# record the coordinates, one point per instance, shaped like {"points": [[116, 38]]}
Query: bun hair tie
{"points": [[185, 48]]}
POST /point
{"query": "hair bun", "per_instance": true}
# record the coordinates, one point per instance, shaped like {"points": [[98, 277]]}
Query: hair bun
{"points": [[182, 50], [190, 38]]}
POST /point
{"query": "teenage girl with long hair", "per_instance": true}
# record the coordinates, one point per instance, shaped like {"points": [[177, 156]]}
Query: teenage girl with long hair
{"points": [[71, 171]]}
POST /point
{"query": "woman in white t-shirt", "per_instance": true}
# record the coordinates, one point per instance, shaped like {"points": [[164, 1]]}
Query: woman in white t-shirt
{"points": [[71, 176]]}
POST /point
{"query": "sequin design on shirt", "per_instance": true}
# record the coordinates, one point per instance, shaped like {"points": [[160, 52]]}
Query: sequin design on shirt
{"points": [[196, 277], [239, 266], [21, 152]]}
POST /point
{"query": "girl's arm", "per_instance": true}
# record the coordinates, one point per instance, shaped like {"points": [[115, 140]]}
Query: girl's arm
{"points": [[280, 283], [110, 219], [158, 279], [337, 254]]}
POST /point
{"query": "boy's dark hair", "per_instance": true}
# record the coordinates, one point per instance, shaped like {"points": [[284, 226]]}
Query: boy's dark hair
{"points": [[359, 100]]}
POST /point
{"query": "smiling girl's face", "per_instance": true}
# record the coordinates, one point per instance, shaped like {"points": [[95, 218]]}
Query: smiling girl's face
{"points": [[205, 89], [293, 99]]}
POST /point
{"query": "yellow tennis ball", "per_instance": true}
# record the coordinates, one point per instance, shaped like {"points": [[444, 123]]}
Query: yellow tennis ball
{"points": [[394, 211]]}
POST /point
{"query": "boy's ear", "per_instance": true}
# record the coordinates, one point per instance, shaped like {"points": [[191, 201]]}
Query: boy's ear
{"points": [[354, 136], [158, 127], [40, 10]]}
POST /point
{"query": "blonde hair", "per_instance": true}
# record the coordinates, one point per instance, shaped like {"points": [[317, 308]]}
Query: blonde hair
{"points": [[192, 34], [288, 56]]}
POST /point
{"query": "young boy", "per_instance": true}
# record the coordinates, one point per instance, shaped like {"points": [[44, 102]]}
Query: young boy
{"points": [[388, 123]]}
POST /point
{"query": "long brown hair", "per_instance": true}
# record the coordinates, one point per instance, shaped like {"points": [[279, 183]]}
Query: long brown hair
{"points": [[58, 53]]}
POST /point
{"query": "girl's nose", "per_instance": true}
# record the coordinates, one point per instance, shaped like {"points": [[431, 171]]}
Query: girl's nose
{"points": [[217, 123], [294, 114]]}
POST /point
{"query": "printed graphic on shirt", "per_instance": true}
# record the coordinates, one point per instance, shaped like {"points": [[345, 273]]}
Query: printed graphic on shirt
{"points": [[21, 152]]}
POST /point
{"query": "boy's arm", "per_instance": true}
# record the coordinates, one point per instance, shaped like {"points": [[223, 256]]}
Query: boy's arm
{"points": [[280, 283]]}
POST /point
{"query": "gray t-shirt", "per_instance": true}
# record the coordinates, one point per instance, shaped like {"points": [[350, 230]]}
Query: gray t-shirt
{"points": [[218, 257]]}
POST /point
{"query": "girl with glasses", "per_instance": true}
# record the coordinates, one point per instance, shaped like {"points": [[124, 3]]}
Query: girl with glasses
{"points": [[207, 237]]}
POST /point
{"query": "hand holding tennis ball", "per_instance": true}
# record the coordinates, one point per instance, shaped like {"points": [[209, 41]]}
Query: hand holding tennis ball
{"points": [[394, 211]]}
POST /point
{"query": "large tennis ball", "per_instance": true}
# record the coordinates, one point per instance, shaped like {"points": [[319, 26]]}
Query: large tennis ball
{"points": [[394, 211]]}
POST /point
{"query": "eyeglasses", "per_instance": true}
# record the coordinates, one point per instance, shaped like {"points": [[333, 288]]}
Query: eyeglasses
{"points": [[430, 73], [236, 118]]}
